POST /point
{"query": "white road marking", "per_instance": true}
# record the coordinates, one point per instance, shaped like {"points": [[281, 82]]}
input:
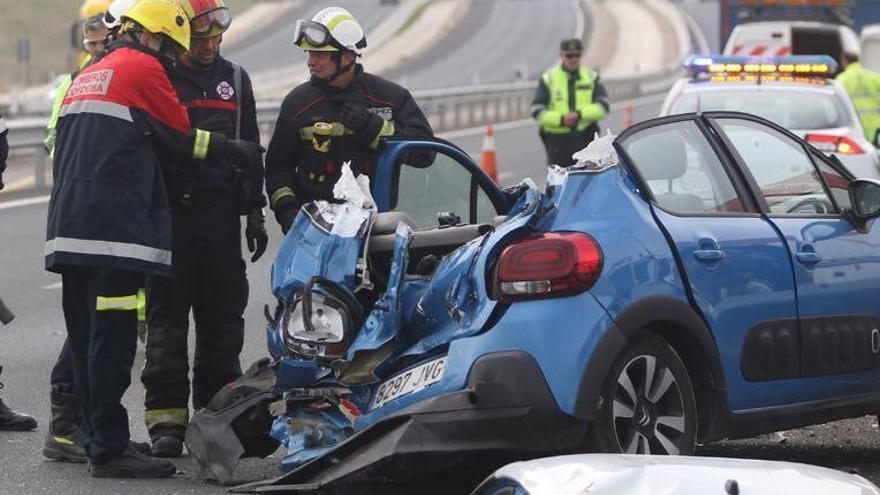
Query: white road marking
{"points": [[56, 285], [24, 202], [579, 19]]}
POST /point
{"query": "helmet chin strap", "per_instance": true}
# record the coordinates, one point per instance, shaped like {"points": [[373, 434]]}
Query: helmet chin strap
{"points": [[340, 70]]}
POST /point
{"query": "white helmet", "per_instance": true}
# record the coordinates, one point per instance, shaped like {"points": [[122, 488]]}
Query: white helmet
{"points": [[330, 30], [113, 16]]}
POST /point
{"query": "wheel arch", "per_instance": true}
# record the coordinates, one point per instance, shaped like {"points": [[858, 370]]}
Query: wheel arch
{"points": [[679, 325]]}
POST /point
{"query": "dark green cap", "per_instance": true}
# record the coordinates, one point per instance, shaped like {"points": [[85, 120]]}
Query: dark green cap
{"points": [[573, 45]]}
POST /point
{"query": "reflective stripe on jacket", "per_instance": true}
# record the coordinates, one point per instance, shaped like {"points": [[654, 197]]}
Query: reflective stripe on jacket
{"points": [[863, 86], [553, 100], [119, 120]]}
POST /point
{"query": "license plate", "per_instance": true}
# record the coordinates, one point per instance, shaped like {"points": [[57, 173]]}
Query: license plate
{"points": [[409, 381]]}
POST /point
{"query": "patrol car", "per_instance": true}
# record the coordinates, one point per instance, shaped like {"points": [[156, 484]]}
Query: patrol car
{"points": [[796, 92]]}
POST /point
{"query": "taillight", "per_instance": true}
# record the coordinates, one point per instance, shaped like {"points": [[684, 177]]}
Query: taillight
{"points": [[834, 144], [548, 265]]}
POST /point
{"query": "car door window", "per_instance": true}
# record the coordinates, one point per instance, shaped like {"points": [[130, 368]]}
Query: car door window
{"points": [[784, 173], [436, 189], [681, 170], [837, 185]]}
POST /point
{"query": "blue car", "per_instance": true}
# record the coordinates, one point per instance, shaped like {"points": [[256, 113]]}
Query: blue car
{"points": [[698, 277]]}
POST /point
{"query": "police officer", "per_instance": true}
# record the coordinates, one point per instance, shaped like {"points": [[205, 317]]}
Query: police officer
{"points": [[863, 86], [337, 116], [568, 104], [109, 223], [208, 274]]}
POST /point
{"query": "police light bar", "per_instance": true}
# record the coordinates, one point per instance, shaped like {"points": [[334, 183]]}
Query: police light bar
{"points": [[802, 65]]}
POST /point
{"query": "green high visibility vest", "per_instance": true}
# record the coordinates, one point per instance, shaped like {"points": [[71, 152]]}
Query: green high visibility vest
{"points": [[863, 87], [557, 81]]}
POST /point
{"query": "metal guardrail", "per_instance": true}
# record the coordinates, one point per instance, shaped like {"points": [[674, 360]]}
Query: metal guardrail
{"points": [[447, 109]]}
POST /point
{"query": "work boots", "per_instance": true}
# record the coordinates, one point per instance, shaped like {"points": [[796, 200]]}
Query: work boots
{"points": [[14, 421], [66, 438], [133, 464], [168, 443]]}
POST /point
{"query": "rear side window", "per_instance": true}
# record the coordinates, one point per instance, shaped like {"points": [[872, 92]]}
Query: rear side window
{"points": [[681, 170]]}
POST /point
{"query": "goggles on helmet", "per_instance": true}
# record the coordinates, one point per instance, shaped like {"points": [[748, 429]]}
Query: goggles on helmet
{"points": [[211, 23], [314, 34]]}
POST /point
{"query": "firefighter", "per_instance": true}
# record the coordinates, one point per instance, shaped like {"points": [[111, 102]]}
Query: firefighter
{"points": [[65, 438], [863, 86], [208, 273], [568, 104], [337, 116], [109, 223]]}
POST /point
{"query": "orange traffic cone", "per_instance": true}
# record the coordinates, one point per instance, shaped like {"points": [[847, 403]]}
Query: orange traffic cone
{"points": [[489, 164], [628, 120]]}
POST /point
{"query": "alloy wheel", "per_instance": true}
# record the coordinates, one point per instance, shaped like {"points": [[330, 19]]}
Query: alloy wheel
{"points": [[648, 413]]}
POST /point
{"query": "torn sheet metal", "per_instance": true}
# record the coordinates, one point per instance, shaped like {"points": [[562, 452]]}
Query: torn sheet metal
{"points": [[313, 421], [326, 238], [384, 321], [450, 307]]}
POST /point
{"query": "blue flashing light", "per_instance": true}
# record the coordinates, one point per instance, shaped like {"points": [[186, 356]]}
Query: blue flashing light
{"points": [[802, 65]]}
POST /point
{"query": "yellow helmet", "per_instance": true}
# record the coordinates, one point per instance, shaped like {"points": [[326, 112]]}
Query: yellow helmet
{"points": [[91, 8], [162, 17]]}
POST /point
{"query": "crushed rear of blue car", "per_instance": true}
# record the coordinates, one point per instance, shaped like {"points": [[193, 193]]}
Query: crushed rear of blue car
{"points": [[695, 278]]}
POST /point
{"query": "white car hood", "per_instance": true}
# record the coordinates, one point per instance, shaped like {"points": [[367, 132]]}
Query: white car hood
{"points": [[608, 474]]}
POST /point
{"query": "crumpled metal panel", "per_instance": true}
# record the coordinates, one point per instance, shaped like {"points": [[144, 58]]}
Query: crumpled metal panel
{"points": [[326, 239], [383, 323], [456, 303]]}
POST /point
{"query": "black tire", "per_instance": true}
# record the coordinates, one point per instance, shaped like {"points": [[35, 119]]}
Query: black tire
{"points": [[661, 421]]}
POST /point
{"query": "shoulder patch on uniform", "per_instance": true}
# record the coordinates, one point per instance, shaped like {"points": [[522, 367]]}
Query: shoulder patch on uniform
{"points": [[91, 84], [225, 90]]}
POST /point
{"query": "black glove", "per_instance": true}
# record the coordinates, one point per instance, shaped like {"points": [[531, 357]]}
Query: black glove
{"points": [[244, 155], [365, 125], [285, 214], [256, 235]]}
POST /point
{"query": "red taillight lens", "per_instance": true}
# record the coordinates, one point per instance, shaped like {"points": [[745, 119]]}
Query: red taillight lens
{"points": [[835, 144], [548, 265]]}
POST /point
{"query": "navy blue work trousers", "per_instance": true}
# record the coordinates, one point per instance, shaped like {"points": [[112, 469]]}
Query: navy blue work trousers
{"points": [[100, 310]]}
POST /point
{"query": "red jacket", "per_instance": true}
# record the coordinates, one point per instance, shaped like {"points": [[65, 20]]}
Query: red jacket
{"points": [[120, 121]]}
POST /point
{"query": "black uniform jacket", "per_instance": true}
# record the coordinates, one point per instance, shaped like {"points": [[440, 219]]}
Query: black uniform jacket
{"points": [[119, 121], [301, 166], [210, 98]]}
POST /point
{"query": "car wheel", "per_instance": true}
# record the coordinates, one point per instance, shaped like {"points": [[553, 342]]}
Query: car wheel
{"points": [[648, 404]]}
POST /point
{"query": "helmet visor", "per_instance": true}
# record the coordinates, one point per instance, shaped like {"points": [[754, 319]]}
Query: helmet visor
{"points": [[312, 35], [211, 23]]}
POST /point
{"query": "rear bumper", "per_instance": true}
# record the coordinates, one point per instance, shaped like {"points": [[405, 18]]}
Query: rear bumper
{"points": [[506, 412]]}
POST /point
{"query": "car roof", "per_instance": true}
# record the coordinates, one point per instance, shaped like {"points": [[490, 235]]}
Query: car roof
{"points": [[828, 87], [607, 474]]}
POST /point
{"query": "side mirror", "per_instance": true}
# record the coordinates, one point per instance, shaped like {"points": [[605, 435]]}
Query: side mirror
{"points": [[865, 197]]}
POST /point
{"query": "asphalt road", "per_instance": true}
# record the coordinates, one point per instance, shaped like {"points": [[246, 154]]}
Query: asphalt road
{"points": [[272, 46], [495, 39], [28, 348]]}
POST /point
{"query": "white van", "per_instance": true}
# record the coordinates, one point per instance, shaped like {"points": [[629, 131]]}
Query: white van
{"points": [[782, 38]]}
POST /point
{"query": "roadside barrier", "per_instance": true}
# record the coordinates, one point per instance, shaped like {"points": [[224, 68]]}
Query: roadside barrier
{"points": [[447, 109]]}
